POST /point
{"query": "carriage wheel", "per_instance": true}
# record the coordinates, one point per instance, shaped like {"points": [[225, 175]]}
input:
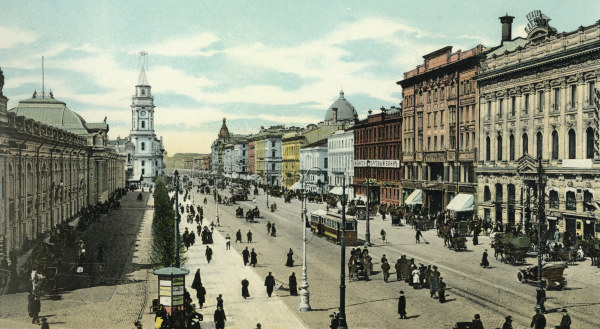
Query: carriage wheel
{"points": [[512, 260], [521, 277]]}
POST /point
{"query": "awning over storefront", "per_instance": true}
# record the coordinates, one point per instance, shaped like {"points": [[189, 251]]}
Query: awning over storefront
{"points": [[416, 197], [296, 186], [461, 202], [137, 178], [337, 190]]}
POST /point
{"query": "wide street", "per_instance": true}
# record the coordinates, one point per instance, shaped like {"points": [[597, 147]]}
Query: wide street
{"points": [[493, 293]]}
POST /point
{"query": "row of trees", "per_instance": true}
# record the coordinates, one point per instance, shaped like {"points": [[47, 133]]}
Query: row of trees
{"points": [[163, 230]]}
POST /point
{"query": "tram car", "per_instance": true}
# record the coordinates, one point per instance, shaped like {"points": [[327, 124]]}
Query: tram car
{"points": [[329, 225]]}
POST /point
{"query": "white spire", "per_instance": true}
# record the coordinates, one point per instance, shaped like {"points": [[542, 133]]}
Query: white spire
{"points": [[143, 79]]}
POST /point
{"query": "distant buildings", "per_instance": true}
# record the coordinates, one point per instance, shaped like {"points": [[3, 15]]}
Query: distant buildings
{"points": [[340, 151]]}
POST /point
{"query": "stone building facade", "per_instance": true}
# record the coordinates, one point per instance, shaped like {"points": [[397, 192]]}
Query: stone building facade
{"points": [[52, 164], [314, 165], [378, 156], [537, 102], [340, 151], [440, 126]]}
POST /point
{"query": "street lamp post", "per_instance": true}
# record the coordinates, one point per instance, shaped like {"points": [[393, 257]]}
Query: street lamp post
{"points": [[177, 218], [267, 183], [541, 215], [304, 294], [368, 232], [342, 315]]}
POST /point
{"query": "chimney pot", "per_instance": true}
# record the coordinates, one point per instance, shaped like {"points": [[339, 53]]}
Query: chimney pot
{"points": [[506, 27]]}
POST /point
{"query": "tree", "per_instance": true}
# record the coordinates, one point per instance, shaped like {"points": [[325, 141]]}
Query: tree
{"points": [[163, 230]]}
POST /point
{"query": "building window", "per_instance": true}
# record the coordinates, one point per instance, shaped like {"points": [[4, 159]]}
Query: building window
{"points": [[487, 196], [428, 143], [591, 92], [525, 142], [143, 163], [487, 148], [589, 147], [442, 117], [511, 141], [273, 144], [571, 203], [435, 142], [573, 96], [556, 99], [554, 145], [143, 171], [499, 148], [489, 110], [143, 124], [541, 101], [273, 153], [526, 107], [554, 199], [442, 142], [272, 166], [513, 105], [325, 163], [500, 107], [143, 146], [572, 144], [540, 145]]}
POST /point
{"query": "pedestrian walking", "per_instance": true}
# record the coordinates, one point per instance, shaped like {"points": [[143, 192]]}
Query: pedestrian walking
{"points": [[507, 323], [227, 242], [402, 305], [476, 323], [201, 295], [398, 267], [220, 318], [434, 281], [293, 284], [238, 236], [539, 320], [249, 236], [415, 277], [383, 235], [385, 267], [253, 259], [197, 280], [269, 227], [220, 301], [34, 308], [246, 256], [208, 254], [45, 324], [245, 285], [541, 298], [565, 322], [442, 290], [418, 236], [484, 259], [269, 283], [290, 260], [273, 230]]}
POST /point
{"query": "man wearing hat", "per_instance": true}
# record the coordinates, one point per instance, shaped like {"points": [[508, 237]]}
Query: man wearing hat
{"points": [[565, 322], [476, 323], [402, 305], [442, 290], [45, 324], [508, 323], [539, 320], [484, 259]]}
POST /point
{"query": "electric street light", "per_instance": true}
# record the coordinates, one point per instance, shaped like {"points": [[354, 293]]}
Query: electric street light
{"points": [[177, 218], [541, 218], [342, 314], [368, 232]]}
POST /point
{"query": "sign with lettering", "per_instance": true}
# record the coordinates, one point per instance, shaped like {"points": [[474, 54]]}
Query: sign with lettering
{"points": [[536, 19], [178, 280], [377, 163], [165, 291], [177, 290], [177, 300], [165, 283]]}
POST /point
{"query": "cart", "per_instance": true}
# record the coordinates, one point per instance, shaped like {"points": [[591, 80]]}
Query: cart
{"points": [[552, 275]]}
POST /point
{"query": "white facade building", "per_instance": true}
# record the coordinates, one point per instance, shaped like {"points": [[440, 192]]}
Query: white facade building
{"points": [[340, 152], [273, 159], [313, 167], [240, 159]]}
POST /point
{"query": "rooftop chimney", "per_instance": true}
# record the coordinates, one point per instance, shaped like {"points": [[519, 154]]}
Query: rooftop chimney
{"points": [[506, 27], [334, 115]]}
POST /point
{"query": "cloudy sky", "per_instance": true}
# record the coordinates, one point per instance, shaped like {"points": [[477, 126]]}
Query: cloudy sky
{"points": [[257, 63]]}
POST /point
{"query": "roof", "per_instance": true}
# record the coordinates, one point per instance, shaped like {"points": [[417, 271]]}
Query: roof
{"points": [[51, 112], [345, 110], [224, 132], [321, 142], [508, 46], [143, 79], [170, 271]]}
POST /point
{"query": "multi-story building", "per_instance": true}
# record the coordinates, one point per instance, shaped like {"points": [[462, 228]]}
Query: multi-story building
{"points": [[378, 156], [313, 167], [537, 102], [340, 152], [52, 164], [218, 148], [440, 127], [240, 159], [251, 157], [268, 154], [340, 115], [202, 162]]}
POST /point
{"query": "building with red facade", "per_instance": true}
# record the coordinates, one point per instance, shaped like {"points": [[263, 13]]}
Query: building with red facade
{"points": [[378, 156], [440, 127]]}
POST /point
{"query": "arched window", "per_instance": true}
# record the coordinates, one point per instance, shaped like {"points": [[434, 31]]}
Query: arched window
{"points": [[487, 148], [487, 196], [499, 200], [511, 145], [554, 199], [589, 143], [571, 203], [539, 145], [499, 145], [554, 145], [572, 144], [525, 142], [588, 201]]}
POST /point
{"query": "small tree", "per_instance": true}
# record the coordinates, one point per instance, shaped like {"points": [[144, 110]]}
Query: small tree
{"points": [[163, 230]]}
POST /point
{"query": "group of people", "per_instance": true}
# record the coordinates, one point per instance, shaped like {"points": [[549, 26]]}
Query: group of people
{"points": [[420, 277]]}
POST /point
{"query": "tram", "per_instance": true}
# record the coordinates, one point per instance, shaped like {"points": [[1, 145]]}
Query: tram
{"points": [[329, 225]]}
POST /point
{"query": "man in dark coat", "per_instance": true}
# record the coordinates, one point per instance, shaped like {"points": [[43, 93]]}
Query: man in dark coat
{"points": [[539, 320], [565, 322], [476, 323], [398, 267], [208, 254], [418, 236], [293, 284], [220, 301], [290, 260], [246, 256], [507, 323], [253, 259], [197, 280], [34, 308], [269, 283], [442, 290], [238, 236], [245, 285], [273, 230], [385, 267], [402, 305], [249, 236], [484, 259], [220, 318], [201, 295]]}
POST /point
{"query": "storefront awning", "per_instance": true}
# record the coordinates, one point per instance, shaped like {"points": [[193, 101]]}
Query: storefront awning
{"points": [[337, 190], [296, 186], [461, 202], [137, 178], [416, 197]]}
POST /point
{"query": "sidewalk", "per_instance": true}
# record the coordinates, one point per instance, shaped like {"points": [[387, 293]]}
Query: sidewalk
{"points": [[223, 276]]}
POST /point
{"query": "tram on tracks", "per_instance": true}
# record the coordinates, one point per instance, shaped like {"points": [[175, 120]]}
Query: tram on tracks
{"points": [[329, 225]]}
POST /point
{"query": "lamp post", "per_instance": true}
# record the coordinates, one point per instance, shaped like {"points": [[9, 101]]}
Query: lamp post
{"points": [[267, 183], [368, 232], [342, 315], [177, 218], [541, 215]]}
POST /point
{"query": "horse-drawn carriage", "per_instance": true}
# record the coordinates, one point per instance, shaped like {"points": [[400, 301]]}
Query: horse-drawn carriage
{"points": [[239, 212], [552, 275], [239, 194], [511, 249]]}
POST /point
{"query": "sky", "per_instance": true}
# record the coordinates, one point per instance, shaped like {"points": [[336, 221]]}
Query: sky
{"points": [[256, 63]]}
